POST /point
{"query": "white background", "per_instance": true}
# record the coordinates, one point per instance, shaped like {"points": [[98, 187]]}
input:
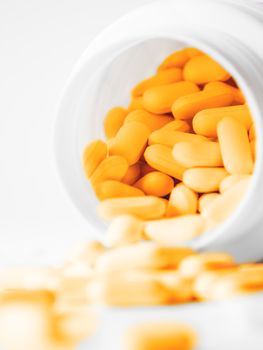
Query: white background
{"points": [[40, 40]]}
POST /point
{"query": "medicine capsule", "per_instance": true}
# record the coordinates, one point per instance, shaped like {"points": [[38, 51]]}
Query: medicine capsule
{"points": [[202, 69], [220, 86], [94, 153], [130, 141], [171, 137], [187, 106], [155, 183], [205, 122], [229, 181], [152, 121], [182, 201], [199, 154], [179, 58], [164, 77], [159, 99], [115, 189], [174, 231], [204, 180], [176, 125], [235, 146], [114, 120], [160, 158], [144, 207], [192, 266], [133, 174], [111, 168], [205, 200], [226, 203], [136, 103], [138, 256], [162, 335], [124, 229]]}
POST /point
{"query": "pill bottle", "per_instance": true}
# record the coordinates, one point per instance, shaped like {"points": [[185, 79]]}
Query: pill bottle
{"points": [[230, 31]]}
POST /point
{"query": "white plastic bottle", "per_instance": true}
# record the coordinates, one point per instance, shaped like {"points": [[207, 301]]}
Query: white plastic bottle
{"points": [[129, 50]]}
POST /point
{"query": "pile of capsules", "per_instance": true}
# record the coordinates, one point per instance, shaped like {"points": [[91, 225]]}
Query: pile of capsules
{"points": [[179, 160], [176, 163]]}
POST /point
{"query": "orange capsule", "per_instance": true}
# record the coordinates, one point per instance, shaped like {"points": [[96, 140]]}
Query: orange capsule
{"points": [[94, 153], [155, 183], [114, 120], [115, 189], [220, 86], [152, 121], [133, 174], [179, 58]]}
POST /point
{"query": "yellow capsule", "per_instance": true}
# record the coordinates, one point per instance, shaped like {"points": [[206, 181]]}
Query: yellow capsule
{"points": [[163, 335], [152, 121], [174, 231], [253, 149], [205, 122], [139, 256], [159, 99], [111, 168], [177, 125], [144, 207], [160, 158], [121, 289], [94, 153], [124, 230], [116, 189], [202, 69], [226, 203], [199, 154], [136, 103], [219, 86], [167, 76], [187, 106], [231, 180], [130, 141], [171, 137], [235, 147], [204, 180], [182, 201], [133, 174], [114, 120], [192, 266], [252, 133], [155, 183], [205, 200], [179, 58]]}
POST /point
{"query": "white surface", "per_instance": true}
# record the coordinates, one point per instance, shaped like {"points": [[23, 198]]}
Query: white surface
{"points": [[39, 43]]}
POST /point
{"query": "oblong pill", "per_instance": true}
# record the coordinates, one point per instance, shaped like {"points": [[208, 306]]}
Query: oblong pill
{"points": [[220, 86], [177, 125], [175, 230], [116, 189], [192, 266], [136, 103], [226, 203], [235, 146], [167, 76], [205, 200], [182, 201], [204, 180], [114, 120], [202, 69], [199, 154], [179, 58], [94, 153], [130, 141], [230, 181], [133, 174], [187, 106], [171, 137], [166, 335], [145, 207], [160, 158], [155, 183], [111, 168], [159, 99], [152, 121], [123, 230], [205, 122]]}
